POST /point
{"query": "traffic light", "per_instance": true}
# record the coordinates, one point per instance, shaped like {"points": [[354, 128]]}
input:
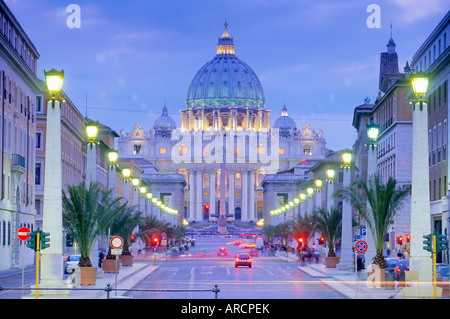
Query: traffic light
{"points": [[206, 207], [408, 238], [321, 240], [31, 240], [132, 238], [428, 242], [399, 240], [44, 239], [300, 241], [155, 241], [441, 243]]}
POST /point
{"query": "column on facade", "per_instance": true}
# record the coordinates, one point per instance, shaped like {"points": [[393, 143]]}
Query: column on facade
{"points": [[371, 169], [346, 239], [330, 198], [212, 192], [191, 194], [244, 187], [231, 192], [251, 203], [318, 198], [420, 196], [199, 193]]}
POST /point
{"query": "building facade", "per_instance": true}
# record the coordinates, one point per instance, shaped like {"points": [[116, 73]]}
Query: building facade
{"points": [[20, 89], [433, 57], [225, 143]]}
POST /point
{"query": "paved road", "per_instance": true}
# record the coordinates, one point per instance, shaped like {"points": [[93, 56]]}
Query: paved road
{"points": [[269, 278]]}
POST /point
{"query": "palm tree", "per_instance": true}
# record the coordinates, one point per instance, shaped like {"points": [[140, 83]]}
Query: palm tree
{"points": [[303, 226], [87, 214], [329, 223], [124, 224], [377, 203], [150, 225]]}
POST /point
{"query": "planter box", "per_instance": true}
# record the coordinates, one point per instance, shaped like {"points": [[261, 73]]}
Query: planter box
{"points": [[109, 266], [88, 276], [376, 278], [331, 262], [127, 260]]}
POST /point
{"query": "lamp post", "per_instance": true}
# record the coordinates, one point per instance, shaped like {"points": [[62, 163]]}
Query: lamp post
{"points": [[318, 183], [330, 188], [91, 156], [347, 232], [51, 261], [126, 173], [112, 157], [373, 131], [91, 174], [420, 260]]}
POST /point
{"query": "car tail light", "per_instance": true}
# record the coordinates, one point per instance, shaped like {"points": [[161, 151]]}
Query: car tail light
{"points": [[398, 270], [407, 267], [237, 259]]}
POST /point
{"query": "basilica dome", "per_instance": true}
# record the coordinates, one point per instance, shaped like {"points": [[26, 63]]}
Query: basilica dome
{"points": [[225, 80], [164, 122], [285, 123]]}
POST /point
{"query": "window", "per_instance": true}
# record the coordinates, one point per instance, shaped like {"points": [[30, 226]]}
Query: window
{"points": [[37, 174], [281, 151], [439, 142], [307, 150], [137, 149], [162, 151], [444, 141]]}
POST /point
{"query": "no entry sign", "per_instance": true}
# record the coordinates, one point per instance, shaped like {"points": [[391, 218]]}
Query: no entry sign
{"points": [[22, 233], [116, 242], [361, 246]]}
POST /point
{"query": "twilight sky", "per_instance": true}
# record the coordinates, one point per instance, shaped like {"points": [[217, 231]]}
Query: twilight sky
{"points": [[318, 57]]}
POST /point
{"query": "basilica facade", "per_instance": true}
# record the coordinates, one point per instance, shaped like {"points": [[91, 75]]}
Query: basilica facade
{"points": [[221, 158]]}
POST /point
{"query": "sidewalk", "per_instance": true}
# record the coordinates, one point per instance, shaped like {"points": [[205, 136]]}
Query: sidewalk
{"points": [[126, 279], [345, 282]]}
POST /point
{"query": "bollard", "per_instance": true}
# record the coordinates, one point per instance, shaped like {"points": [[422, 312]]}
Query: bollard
{"points": [[108, 289], [216, 290]]}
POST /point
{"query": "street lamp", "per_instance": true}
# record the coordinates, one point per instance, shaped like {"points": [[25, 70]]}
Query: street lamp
{"points": [[318, 183], [346, 158], [91, 132], [302, 197], [51, 260], [126, 172], [420, 260], [330, 175], [54, 80], [372, 133], [112, 157], [310, 191], [135, 182]]}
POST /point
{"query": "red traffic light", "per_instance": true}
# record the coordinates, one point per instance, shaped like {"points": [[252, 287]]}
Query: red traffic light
{"points": [[322, 240], [408, 238], [132, 238], [207, 207], [300, 241], [399, 240]]}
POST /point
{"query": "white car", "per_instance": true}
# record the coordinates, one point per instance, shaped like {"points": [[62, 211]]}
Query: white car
{"points": [[71, 263]]}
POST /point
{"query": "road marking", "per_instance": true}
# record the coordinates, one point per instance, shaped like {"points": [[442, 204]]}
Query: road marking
{"points": [[228, 270], [267, 271]]}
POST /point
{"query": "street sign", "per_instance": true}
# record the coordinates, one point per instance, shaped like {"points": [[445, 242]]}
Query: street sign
{"points": [[22, 233], [115, 251], [163, 236], [155, 249], [361, 246], [116, 242], [290, 239], [362, 231]]}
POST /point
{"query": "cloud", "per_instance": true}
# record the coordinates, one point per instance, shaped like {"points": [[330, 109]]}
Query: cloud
{"points": [[412, 10]]}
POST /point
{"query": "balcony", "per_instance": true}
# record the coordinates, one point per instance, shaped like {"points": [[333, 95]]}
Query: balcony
{"points": [[18, 164]]}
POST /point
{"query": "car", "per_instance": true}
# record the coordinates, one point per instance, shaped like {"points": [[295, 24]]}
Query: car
{"points": [[222, 252], [391, 264], [253, 252], [442, 276], [71, 263], [243, 259], [399, 271]]}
